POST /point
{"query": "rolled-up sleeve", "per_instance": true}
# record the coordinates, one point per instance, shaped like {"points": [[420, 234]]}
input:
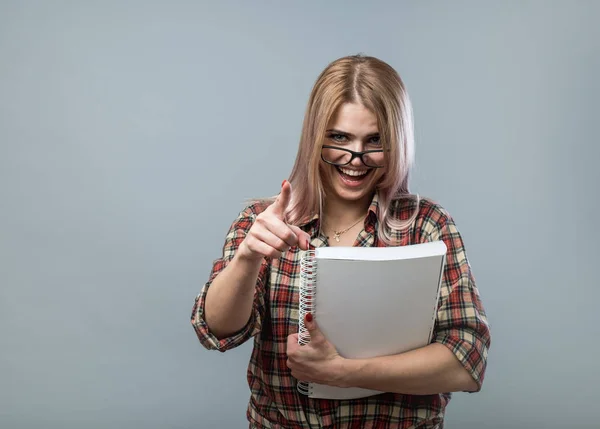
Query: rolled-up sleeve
{"points": [[237, 232], [462, 323]]}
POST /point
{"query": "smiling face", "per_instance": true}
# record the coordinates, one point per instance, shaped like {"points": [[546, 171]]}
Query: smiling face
{"points": [[352, 127]]}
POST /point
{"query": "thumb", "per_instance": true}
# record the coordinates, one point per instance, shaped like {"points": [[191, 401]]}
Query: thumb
{"points": [[303, 237], [283, 199], [313, 329]]}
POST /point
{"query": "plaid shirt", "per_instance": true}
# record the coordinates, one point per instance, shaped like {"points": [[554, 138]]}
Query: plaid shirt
{"points": [[461, 325]]}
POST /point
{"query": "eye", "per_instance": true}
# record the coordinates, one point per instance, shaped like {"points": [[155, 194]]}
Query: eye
{"points": [[375, 141], [338, 138]]}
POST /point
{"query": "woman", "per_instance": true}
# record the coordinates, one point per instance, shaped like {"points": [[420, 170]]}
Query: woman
{"points": [[348, 187]]}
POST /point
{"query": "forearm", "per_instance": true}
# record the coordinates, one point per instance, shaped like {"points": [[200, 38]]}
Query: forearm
{"points": [[429, 370], [230, 297]]}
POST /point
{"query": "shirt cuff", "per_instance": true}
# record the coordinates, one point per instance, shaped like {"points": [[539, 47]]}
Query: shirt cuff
{"points": [[208, 339], [470, 352]]}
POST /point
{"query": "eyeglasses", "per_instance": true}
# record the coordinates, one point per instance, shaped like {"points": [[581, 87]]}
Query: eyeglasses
{"points": [[338, 156]]}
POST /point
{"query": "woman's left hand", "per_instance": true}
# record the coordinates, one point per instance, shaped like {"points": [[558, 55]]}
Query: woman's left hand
{"points": [[316, 362]]}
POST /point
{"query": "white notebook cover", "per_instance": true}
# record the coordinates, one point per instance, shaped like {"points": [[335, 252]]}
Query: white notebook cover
{"points": [[371, 301]]}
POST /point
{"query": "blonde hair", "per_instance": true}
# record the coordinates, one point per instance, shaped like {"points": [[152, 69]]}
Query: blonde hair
{"points": [[377, 86]]}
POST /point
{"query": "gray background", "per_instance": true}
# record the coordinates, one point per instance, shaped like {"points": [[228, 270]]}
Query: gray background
{"points": [[130, 134]]}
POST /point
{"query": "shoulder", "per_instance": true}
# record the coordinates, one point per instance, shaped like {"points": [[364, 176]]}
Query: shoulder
{"points": [[403, 208], [246, 217], [429, 215], [252, 209]]}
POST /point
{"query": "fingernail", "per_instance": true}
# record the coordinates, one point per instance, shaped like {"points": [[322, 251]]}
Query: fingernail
{"points": [[308, 317], [282, 183]]}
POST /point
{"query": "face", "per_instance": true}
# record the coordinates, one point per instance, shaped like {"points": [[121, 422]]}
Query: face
{"points": [[355, 128]]}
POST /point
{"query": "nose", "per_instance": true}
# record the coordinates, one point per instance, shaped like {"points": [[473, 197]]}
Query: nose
{"points": [[357, 162], [357, 146]]}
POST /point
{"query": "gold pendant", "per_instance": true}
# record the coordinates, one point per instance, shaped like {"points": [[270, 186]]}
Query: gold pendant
{"points": [[336, 235]]}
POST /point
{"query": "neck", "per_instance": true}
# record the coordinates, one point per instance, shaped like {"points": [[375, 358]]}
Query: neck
{"points": [[340, 214]]}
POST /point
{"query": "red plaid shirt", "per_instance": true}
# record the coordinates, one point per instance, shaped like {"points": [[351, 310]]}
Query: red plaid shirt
{"points": [[461, 325]]}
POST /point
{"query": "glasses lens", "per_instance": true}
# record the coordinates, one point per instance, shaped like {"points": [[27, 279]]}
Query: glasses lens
{"points": [[373, 159], [336, 156]]}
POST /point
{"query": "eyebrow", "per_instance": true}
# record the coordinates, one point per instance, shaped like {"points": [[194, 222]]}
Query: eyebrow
{"points": [[334, 131]]}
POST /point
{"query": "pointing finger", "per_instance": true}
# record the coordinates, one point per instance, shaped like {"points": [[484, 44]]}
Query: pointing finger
{"points": [[283, 199]]}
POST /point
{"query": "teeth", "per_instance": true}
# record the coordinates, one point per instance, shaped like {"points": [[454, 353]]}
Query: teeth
{"points": [[353, 172]]}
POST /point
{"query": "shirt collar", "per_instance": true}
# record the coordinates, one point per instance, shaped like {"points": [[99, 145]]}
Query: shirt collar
{"points": [[374, 207]]}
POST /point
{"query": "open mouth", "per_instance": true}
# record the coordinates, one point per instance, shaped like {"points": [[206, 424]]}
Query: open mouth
{"points": [[353, 177]]}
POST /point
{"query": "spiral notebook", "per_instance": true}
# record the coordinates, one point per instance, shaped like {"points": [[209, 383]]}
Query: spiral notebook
{"points": [[370, 301]]}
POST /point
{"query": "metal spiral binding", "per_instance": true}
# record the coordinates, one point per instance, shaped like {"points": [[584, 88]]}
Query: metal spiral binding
{"points": [[305, 388], [308, 279]]}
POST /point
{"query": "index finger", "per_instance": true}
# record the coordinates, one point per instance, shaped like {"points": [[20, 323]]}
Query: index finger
{"points": [[283, 199]]}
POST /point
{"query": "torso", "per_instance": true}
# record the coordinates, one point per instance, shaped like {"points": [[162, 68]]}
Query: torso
{"points": [[275, 400]]}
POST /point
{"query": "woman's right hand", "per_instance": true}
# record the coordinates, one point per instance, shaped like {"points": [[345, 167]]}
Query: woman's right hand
{"points": [[270, 235]]}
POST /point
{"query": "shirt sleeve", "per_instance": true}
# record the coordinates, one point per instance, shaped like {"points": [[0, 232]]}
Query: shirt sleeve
{"points": [[461, 323], [237, 232]]}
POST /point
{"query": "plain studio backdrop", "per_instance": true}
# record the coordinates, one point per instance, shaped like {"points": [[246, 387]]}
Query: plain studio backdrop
{"points": [[132, 132]]}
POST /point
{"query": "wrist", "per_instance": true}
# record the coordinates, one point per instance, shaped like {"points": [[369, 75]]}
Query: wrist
{"points": [[245, 256], [347, 370]]}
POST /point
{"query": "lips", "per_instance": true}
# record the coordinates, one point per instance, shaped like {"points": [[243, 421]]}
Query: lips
{"points": [[353, 173], [353, 177]]}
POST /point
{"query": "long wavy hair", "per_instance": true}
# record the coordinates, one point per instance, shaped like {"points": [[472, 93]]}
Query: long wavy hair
{"points": [[377, 86]]}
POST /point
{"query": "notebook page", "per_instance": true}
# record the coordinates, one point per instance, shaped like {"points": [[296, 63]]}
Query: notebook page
{"points": [[376, 301]]}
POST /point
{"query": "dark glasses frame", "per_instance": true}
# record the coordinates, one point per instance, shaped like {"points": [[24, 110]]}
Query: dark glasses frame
{"points": [[354, 155]]}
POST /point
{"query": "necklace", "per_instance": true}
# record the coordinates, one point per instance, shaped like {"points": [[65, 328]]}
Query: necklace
{"points": [[336, 234]]}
